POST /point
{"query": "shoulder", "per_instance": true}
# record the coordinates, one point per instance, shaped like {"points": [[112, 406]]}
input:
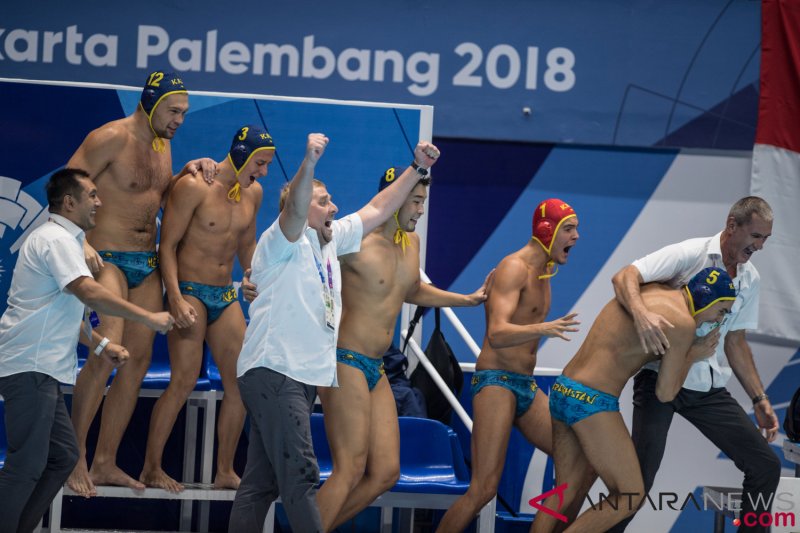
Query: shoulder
{"points": [[191, 186], [350, 223], [511, 271], [110, 136], [255, 193]]}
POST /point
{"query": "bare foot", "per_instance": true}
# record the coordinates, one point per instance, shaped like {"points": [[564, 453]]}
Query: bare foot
{"points": [[80, 481], [112, 475], [227, 481], [159, 479]]}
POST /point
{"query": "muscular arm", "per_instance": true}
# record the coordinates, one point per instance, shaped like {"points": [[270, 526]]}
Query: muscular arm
{"points": [[247, 241], [182, 202], [104, 301], [740, 357], [95, 155], [649, 326], [509, 281], [677, 360], [99, 149], [292, 219], [427, 295], [389, 200]]}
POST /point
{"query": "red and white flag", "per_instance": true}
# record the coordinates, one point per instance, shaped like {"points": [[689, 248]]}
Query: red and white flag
{"points": [[776, 167]]}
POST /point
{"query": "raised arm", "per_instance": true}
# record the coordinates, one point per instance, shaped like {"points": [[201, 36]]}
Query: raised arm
{"points": [[427, 295], [104, 301], [292, 219], [501, 332], [740, 357], [650, 326], [184, 198], [389, 200]]}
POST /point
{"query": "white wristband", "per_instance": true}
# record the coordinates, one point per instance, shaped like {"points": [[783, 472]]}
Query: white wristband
{"points": [[101, 346]]}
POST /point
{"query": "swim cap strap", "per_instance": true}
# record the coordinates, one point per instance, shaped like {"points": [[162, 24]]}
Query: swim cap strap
{"points": [[549, 265], [235, 192], [400, 236]]}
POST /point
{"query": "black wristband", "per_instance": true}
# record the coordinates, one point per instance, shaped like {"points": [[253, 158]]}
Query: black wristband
{"points": [[422, 171], [758, 398]]}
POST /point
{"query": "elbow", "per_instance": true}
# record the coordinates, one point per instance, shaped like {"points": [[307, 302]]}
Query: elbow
{"points": [[618, 280], [665, 394], [495, 340]]}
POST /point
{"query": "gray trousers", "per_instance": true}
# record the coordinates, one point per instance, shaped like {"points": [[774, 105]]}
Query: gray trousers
{"points": [[42, 449], [280, 456]]}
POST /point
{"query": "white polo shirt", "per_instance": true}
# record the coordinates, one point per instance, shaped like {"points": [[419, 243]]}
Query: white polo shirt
{"points": [[39, 330], [287, 331], [675, 265]]}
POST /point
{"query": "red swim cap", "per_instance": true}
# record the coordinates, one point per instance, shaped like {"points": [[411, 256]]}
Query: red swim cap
{"points": [[547, 218]]}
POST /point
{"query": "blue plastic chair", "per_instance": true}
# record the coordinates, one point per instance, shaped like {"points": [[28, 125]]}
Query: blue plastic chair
{"points": [[431, 460], [157, 377]]}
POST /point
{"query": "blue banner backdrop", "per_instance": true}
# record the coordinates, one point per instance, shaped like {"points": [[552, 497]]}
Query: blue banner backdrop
{"points": [[641, 73]]}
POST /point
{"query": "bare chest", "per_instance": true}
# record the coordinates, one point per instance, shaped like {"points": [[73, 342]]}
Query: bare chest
{"points": [[219, 215], [384, 269], [138, 172], [534, 302]]}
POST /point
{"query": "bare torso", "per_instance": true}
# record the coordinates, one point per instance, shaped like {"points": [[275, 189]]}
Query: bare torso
{"points": [[375, 282], [212, 238], [131, 187], [532, 308], [612, 352]]}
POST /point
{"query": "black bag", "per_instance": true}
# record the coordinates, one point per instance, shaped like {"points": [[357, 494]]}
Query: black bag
{"points": [[409, 401], [441, 357], [791, 424]]}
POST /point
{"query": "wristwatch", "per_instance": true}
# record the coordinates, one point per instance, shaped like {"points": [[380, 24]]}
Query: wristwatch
{"points": [[759, 397], [422, 171]]}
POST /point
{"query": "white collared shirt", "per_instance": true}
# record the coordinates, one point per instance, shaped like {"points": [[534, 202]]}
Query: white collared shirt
{"points": [[287, 331], [675, 265], [40, 327]]}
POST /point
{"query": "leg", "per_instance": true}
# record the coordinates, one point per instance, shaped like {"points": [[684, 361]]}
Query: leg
{"points": [[536, 423], [610, 451], [347, 417], [281, 407], [61, 459], [383, 457], [185, 360], [723, 421], [124, 390], [573, 469], [91, 384], [493, 416], [225, 336], [258, 488], [31, 407], [651, 421]]}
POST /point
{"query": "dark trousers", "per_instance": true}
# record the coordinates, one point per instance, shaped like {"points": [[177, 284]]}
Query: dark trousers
{"points": [[280, 456], [723, 421], [42, 449]]}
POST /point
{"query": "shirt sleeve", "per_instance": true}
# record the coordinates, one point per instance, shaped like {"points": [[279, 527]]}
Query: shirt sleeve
{"points": [[64, 260], [272, 247], [747, 315], [347, 233], [663, 265]]}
